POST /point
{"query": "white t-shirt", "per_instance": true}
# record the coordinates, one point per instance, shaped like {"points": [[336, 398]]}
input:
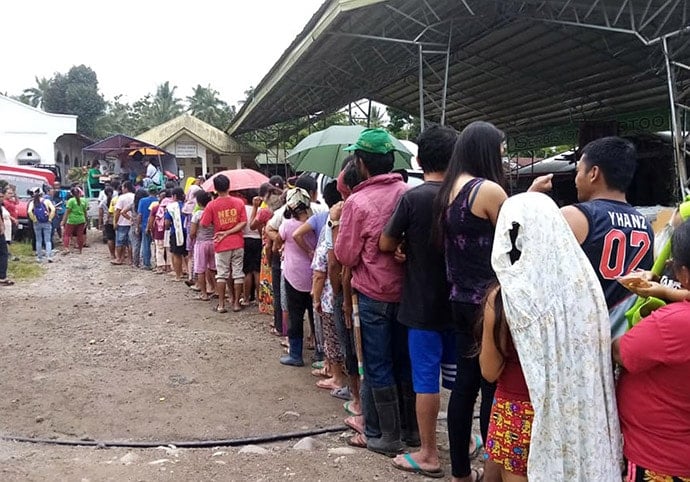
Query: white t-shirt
{"points": [[246, 232], [125, 201], [151, 171], [7, 221]]}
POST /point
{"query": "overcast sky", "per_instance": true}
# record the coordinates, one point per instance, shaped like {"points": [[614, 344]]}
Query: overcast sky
{"points": [[135, 45]]}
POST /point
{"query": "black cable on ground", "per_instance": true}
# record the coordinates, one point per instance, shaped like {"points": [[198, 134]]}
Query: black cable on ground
{"points": [[191, 444]]}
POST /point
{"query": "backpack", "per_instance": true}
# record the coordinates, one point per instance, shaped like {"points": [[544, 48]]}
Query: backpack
{"points": [[41, 212], [159, 221]]}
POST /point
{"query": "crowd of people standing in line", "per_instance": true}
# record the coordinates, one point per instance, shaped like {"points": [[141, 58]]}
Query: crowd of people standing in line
{"points": [[455, 284], [450, 284]]}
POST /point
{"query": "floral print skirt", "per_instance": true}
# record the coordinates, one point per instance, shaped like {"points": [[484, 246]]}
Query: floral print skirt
{"points": [[510, 430], [265, 284]]}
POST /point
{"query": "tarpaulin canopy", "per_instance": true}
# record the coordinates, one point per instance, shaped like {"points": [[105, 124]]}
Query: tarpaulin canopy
{"points": [[119, 144]]}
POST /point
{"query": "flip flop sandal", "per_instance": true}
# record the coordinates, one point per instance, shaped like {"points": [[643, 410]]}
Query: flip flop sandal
{"points": [[416, 469], [320, 372], [201, 298], [349, 411], [6, 282], [478, 446], [342, 393], [357, 440], [325, 384], [218, 309], [352, 423], [317, 364]]}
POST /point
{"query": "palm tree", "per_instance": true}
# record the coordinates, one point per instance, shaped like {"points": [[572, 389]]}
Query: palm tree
{"points": [[205, 104], [375, 117], [34, 95], [165, 105]]}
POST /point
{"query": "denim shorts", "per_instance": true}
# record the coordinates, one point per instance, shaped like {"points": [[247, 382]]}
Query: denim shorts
{"points": [[122, 236]]}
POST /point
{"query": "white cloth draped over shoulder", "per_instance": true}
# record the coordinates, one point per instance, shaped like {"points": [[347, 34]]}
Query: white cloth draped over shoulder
{"points": [[174, 210], [560, 326]]}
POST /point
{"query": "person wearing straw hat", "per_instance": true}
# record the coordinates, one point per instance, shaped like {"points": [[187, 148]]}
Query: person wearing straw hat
{"points": [[377, 281]]}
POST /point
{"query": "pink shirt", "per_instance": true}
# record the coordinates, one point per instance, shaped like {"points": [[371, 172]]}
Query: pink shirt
{"points": [[365, 214], [652, 393], [297, 268]]}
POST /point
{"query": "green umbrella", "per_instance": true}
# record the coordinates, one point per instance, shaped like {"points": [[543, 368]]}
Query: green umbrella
{"points": [[323, 152]]}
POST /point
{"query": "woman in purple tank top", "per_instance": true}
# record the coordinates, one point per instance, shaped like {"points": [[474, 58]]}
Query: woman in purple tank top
{"points": [[467, 208]]}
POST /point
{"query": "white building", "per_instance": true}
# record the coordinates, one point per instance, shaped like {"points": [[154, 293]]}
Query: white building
{"points": [[31, 136]]}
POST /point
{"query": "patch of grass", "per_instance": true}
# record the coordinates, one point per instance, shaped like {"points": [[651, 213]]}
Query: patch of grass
{"points": [[26, 268]]}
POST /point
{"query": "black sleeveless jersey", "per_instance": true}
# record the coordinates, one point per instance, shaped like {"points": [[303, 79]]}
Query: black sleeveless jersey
{"points": [[619, 241]]}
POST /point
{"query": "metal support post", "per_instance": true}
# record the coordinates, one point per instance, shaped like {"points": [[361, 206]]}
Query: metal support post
{"points": [[676, 135], [421, 88], [445, 76]]}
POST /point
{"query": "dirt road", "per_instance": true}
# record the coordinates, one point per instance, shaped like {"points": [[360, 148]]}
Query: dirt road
{"points": [[104, 353]]}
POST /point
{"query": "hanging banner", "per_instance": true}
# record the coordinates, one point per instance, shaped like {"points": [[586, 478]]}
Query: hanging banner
{"points": [[628, 124]]}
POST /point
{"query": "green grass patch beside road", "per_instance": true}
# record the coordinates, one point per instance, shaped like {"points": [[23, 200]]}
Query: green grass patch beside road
{"points": [[27, 267]]}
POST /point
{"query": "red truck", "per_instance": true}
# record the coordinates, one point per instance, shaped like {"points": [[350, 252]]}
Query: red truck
{"points": [[25, 178]]}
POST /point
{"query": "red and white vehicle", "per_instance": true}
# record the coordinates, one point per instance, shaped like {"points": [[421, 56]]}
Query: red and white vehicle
{"points": [[26, 178]]}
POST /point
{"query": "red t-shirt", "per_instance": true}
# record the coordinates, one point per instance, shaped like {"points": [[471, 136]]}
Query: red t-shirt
{"points": [[225, 213], [653, 392], [11, 206]]}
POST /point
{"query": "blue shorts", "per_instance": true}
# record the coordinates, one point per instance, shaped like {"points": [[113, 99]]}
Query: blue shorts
{"points": [[432, 353], [122, 236]]}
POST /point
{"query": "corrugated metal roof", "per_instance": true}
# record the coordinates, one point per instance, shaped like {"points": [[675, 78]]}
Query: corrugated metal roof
{"points": [[522, 65]]}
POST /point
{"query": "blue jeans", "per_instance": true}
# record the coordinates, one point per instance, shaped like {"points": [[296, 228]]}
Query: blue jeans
{"points": [[43, 233], [386, 356], [145, 250], [135, 242]]}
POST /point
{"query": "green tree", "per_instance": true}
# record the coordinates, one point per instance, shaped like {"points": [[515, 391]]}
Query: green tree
{"points": [[76, 93], [33, 96], [205, 104], [164, 106], [119, 118], [375, 117], [398, 122]]}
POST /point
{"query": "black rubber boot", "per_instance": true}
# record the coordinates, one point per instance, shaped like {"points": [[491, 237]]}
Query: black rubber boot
{"points": [[386, 402], [408, 416]]}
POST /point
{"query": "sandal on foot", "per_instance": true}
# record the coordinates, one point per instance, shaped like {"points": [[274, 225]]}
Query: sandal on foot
{"points": [[342, 393], [357, 440], [320, 372], [218, 309], [414, 468], [478, 476], [327, 385], [478, 446], [317, 364], [6, 282], [201, 298], [355, 424], [349, 410]]}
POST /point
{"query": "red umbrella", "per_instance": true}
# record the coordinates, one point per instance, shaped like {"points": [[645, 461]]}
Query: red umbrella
{"points": [[239, 179]]}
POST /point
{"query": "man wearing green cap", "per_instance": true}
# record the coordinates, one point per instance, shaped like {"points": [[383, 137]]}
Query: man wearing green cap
{"points": [[377, 281]]}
